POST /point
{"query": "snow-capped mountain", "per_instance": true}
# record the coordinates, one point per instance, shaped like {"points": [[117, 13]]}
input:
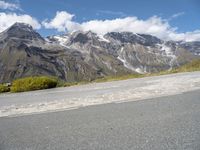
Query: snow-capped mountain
{"points": [[85, 55]]}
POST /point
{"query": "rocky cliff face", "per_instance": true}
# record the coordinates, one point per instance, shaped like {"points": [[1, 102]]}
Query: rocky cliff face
{"points": [[85, 55]]}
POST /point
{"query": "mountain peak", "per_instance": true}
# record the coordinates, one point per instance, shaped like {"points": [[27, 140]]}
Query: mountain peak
{"points": [[22, 31], [82, 36], [22, 25]]}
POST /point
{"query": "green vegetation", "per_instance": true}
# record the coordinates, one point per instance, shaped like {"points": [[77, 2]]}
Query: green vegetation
{"points": [[33, 83], [4, 88]]}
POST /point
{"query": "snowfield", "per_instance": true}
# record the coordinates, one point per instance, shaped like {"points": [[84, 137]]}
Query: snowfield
{"points": [[97, 93]]}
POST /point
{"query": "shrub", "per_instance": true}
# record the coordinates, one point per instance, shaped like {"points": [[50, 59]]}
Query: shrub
{"points": [[4, 88], [33, 83]]}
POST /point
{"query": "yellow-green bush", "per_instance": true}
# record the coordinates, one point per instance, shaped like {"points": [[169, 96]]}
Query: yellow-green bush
{"points": [[33, 83], [4, 88]]}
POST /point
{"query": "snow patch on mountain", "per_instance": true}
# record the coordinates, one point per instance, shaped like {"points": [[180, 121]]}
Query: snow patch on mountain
{"points": [[102, 38], [62, 39], [140, 36], [122, 58], [169, 53]]}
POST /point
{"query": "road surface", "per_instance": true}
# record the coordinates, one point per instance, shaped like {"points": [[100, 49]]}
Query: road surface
{"points": [[167, 123], [97, 93]]}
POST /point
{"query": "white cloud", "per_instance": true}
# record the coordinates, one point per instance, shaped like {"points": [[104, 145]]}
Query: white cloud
{"points": [[63, 21], [10, 6], [174, 16], [153, 25], [178, 14], [187, 36], [8, 19]]}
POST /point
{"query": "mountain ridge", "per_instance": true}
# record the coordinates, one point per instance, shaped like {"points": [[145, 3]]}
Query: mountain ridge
{"points": [[86, 56]]}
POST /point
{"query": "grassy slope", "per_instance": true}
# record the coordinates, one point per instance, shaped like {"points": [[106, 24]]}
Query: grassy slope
{"points": [[190, 67], [193, 66]]}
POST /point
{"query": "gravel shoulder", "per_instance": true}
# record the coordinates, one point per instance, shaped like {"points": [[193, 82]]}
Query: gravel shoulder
{"points": [[97, 93]]}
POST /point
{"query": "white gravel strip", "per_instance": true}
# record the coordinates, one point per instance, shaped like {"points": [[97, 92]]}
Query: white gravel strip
{"points": [[100, 93]]}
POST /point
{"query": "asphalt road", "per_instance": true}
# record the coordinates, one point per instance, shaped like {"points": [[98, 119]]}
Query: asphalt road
{"points": [[167, 123]]}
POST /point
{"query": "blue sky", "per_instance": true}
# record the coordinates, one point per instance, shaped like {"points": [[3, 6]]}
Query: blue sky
{"points": [[181, 15]]}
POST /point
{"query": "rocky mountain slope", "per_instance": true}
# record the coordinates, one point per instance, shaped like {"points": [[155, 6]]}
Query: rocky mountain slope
{"points": [[85, 56]]}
